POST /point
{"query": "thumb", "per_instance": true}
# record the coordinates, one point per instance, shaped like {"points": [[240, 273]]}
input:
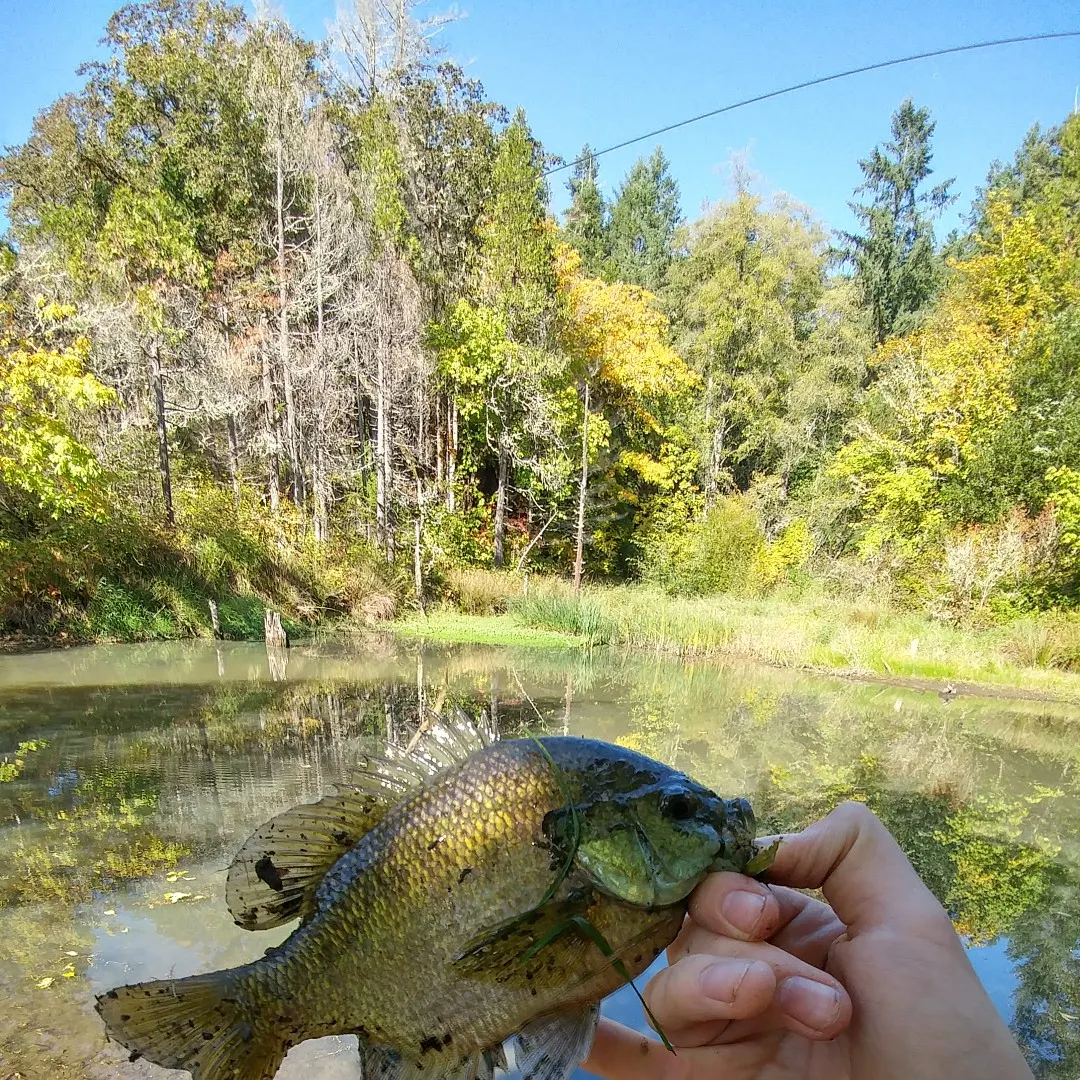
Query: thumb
{"points": [[860, 868]]}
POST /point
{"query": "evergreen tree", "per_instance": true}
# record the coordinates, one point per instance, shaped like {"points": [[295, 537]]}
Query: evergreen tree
{"points": [[585, 224], [643, 222], [896, 265]]}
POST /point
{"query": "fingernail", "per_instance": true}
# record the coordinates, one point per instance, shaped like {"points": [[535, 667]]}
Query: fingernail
{"points": [[743, 910], [721, 982], [811, 1003]]}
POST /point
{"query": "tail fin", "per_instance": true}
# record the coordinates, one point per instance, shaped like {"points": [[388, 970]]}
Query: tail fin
{"points": [[196, 1024]]}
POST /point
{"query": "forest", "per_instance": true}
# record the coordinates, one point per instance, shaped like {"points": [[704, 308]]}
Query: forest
{"points": [[291, 323]]}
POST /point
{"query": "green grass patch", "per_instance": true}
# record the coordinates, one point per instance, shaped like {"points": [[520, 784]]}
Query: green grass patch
{"points": [[452, 626]]}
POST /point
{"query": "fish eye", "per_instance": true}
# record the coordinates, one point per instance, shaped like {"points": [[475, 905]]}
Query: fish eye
{"points": [[678, 807]]}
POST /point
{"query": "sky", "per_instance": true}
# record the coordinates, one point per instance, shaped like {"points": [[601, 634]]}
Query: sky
{"points": [[601, 71]]}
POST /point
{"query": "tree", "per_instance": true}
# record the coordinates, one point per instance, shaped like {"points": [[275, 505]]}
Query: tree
{"points": [[585, 222], [896, 265], [45, 467], [760, 327], [629, 374], [516, 281], [641, 231]]}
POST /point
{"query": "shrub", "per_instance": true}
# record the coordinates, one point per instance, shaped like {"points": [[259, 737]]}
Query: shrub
{"points": [[710, 556]]}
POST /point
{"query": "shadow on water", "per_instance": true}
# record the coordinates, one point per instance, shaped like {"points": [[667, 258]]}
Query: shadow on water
{"points": [[130, 774]]}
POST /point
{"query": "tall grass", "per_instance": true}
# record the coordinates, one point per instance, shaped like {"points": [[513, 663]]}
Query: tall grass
{"points": [[552, 609], [806, 629]]}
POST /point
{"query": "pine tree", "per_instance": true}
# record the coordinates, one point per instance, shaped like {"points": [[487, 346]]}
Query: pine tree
{"points": [[897, 267], [643, 222], [585, 224]]}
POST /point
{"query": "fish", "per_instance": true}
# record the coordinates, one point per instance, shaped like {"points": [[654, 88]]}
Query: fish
{"points": [[466, 897]]}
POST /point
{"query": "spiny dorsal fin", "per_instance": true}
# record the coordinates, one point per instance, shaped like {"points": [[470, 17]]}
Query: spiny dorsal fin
{"points": [[275, 875], [441, 742], [277, 872]]}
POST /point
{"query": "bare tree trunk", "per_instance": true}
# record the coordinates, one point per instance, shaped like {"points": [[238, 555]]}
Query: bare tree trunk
{"points": [[380, 451], [283, 339], [579, 558], [440, 435], [500, 500], [158, 387], [234, 456], [271, 432], [418, 529], [451, 456], [321, 485]]}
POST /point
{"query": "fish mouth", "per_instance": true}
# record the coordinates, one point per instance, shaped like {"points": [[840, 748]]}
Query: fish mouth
{"points": [[737, 832]]}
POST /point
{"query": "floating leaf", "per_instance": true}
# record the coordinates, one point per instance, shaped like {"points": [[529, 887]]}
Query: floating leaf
{"points": [[44, 984], [69, 972], [173, 897], [69, 952], [176, 875], [110, 912]]}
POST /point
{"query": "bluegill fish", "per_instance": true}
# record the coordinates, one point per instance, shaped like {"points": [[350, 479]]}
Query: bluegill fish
{"points": [[452, 899]]}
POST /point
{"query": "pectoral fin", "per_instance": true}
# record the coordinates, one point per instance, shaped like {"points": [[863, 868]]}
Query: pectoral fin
{"points": [[504, 952]]}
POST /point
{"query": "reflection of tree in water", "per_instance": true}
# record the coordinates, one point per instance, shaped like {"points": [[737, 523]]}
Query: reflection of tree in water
{"points": [[1044, 944]]}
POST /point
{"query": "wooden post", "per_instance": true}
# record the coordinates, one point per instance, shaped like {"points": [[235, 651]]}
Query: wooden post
{"points": [[215, 622], [273, 631]]}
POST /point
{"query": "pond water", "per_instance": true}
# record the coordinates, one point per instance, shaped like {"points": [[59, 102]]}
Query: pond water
{"points": [[129, 775]]}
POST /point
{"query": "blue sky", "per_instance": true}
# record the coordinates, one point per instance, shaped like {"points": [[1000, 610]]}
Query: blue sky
{"points": [[604, 70]]}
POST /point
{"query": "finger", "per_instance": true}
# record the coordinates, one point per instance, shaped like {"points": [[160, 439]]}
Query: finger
{"points": [[794, 996], [620, 1053], [738, 907], [735, 906], [709, 987], [861, 869], [808, 928]]}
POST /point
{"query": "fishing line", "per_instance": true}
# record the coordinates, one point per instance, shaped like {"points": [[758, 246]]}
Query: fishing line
{"points": [[816, 82]]}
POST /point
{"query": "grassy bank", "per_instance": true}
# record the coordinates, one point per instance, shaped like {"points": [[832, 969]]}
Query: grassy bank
{"points": [[1038, 654]]}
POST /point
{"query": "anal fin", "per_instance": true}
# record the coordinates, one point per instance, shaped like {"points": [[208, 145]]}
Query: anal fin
{"points": [[552, 1047]]}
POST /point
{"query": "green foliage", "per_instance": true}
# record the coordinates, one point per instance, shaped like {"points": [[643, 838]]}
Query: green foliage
{"points": [[585, 223], [43, 391], [10, 768], [713, 555]]}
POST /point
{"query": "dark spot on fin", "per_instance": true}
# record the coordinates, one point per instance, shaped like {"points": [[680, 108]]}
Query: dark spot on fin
{"points": [[199, 1024], [266, 871], [276, 874]]}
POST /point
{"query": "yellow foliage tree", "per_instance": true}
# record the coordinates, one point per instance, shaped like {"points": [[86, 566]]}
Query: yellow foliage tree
{"points": [[618, 340], [946, 388], [42, 389]]}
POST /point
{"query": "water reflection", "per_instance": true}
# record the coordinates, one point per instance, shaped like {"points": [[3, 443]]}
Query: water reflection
{"points": [[130, 774]]}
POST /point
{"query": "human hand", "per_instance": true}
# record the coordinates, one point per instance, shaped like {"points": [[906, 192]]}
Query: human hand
{"points": [[770, 984]]}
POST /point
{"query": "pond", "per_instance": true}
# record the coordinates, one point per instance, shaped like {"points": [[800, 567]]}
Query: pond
{"points": [[129, 775]]}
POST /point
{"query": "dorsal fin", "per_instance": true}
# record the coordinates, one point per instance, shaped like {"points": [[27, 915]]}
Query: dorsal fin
{"points": [[276, 874]]}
